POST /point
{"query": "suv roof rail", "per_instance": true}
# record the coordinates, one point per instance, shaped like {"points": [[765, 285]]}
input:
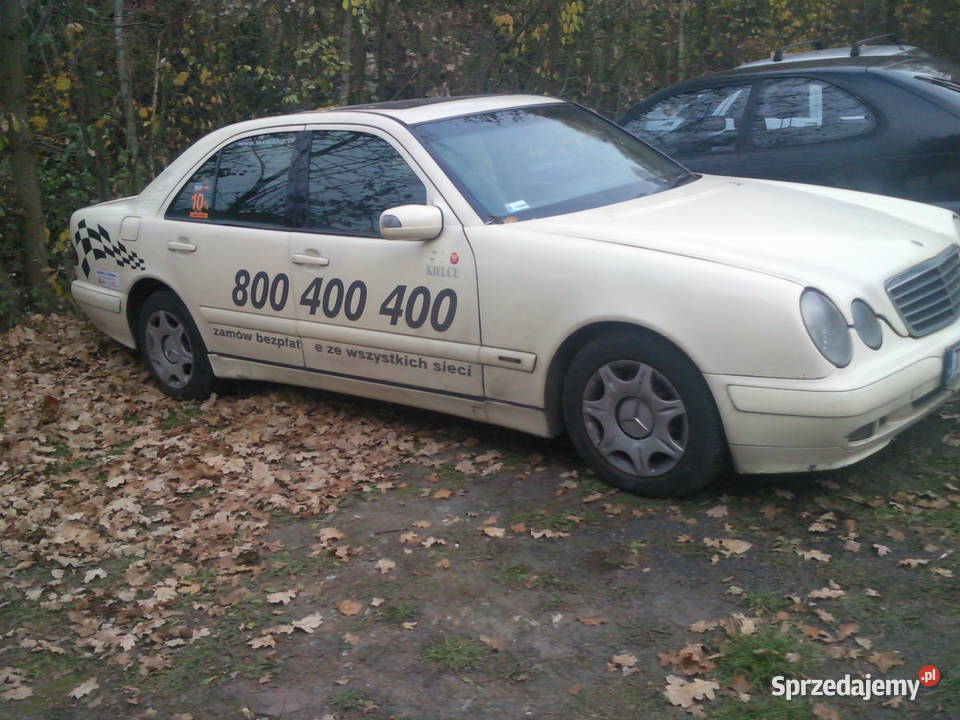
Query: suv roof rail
{"points": [[892, 37], [778, 53]]}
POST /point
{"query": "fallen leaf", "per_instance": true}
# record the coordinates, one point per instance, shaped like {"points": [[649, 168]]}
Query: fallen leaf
{"points": [[494, 643], [822, 711], [683, 692], [881, 549], [309, 623], [84, 688], [814, 555], [592, 621], [885, 660], [262, 642], [718, 511], [21, 692], [349, 607], [494, 532], [283, 597], [728, 546], [385, 565], [826, 593]]}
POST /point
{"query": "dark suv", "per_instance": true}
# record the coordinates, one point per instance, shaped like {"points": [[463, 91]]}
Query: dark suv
{"points": [[879, 118]]}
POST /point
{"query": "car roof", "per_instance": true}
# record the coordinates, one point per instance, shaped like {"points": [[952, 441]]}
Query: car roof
{"points": [[412, 112], [848, 53], [825, 60]]}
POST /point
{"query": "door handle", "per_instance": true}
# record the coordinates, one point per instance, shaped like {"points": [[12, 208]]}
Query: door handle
{"points": [[301, 259], [178, 246]]}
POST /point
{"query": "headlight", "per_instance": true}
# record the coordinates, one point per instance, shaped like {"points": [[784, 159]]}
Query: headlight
{"points": [[867, 325], [826, 326]]}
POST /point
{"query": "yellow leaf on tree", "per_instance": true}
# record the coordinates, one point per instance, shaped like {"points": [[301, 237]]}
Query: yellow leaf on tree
{"points": [[181, 78], [62, 83]]}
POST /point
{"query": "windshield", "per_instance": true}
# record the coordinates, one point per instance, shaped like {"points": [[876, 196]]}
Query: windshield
{"points": [[545, 160]]}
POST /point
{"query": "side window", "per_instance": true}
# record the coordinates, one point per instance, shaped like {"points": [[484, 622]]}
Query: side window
{"points": [[352, 178], [252, 180], [702, 121], [803, 111], [245, 183], [196, 197]]}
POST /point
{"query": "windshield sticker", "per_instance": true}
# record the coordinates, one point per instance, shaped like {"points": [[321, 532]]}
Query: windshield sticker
{"points": [[98, 244], [517, 206]]}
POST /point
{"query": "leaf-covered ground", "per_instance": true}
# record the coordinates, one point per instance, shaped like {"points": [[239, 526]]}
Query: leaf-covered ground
{"points": [[277, 552]]}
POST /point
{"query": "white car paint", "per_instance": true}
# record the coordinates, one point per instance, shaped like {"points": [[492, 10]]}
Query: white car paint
{"points": [[716, 266]]}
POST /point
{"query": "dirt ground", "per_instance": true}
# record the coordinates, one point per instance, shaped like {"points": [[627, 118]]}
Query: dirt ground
{"points": [[468, 572]]}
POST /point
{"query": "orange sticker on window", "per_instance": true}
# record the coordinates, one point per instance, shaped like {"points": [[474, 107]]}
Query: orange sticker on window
{"points": [[199, 204]]}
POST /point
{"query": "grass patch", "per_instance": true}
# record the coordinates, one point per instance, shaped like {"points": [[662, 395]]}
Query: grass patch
{"points": [[763, 708], [453, 652], [510, 574], [769, 601], [400, 612], [766, 654], [179, 417], [349, 699]]}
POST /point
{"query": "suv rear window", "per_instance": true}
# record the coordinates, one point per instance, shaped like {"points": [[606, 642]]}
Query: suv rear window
{"points": [[803, 111]]}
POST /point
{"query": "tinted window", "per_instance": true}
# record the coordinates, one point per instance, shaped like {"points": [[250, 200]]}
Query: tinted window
{"points": [[196, 197], [703, 121], [252, 180], [801, 111], [352, 178]]}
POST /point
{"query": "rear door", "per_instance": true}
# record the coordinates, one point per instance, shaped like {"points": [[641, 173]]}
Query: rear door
{"points": [[700, 128], [395, 312], [227, 232], [809, 130]]}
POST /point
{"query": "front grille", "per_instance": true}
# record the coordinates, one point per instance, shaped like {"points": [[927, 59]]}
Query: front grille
{"points": [[927, 296]]}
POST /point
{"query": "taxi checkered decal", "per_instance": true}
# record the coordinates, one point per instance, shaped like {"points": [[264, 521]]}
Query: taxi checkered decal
{"points": [[98, 243]]}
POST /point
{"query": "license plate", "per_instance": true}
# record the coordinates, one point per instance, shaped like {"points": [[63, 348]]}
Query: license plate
{"points": [[951, 367]]}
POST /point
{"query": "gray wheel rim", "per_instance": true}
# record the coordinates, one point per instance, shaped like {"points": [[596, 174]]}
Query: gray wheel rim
{"points": [[635, 418], [168, 348]]}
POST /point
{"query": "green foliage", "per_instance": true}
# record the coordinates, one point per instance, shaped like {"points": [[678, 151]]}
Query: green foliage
{"points": [[195, 67]]}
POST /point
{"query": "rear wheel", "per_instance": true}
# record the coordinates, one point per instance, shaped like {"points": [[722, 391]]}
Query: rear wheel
{"points": [[640, 414], [173, 349]]}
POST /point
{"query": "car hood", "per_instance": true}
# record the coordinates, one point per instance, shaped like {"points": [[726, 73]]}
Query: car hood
{"points": [[845, 243]]}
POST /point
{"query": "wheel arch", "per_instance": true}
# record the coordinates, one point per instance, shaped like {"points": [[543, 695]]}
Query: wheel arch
{"points": [[141, 290], [565, 353]]}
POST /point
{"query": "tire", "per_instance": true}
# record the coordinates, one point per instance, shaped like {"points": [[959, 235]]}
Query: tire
{"points": [[640, 414], [172, 348]]}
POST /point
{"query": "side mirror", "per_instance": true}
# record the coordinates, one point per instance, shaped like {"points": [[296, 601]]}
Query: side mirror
{"points": [[411, 222]]}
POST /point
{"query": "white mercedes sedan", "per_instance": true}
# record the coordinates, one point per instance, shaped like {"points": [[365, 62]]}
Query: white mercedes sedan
{"points": [[522, 261]]}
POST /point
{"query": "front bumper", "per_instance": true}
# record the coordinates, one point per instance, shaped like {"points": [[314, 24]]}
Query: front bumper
{"points": [[779, 426]]}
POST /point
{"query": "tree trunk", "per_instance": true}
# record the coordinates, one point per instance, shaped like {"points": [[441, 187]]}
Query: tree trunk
{"points": [[23, 159], [126, 99], [346, 56]]}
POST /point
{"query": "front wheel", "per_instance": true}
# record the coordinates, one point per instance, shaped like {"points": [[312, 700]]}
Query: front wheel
{"points": [[173, 349], [640, 414]]}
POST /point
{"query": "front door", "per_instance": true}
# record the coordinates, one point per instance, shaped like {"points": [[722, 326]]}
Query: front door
{"points": [[402, 313]]}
